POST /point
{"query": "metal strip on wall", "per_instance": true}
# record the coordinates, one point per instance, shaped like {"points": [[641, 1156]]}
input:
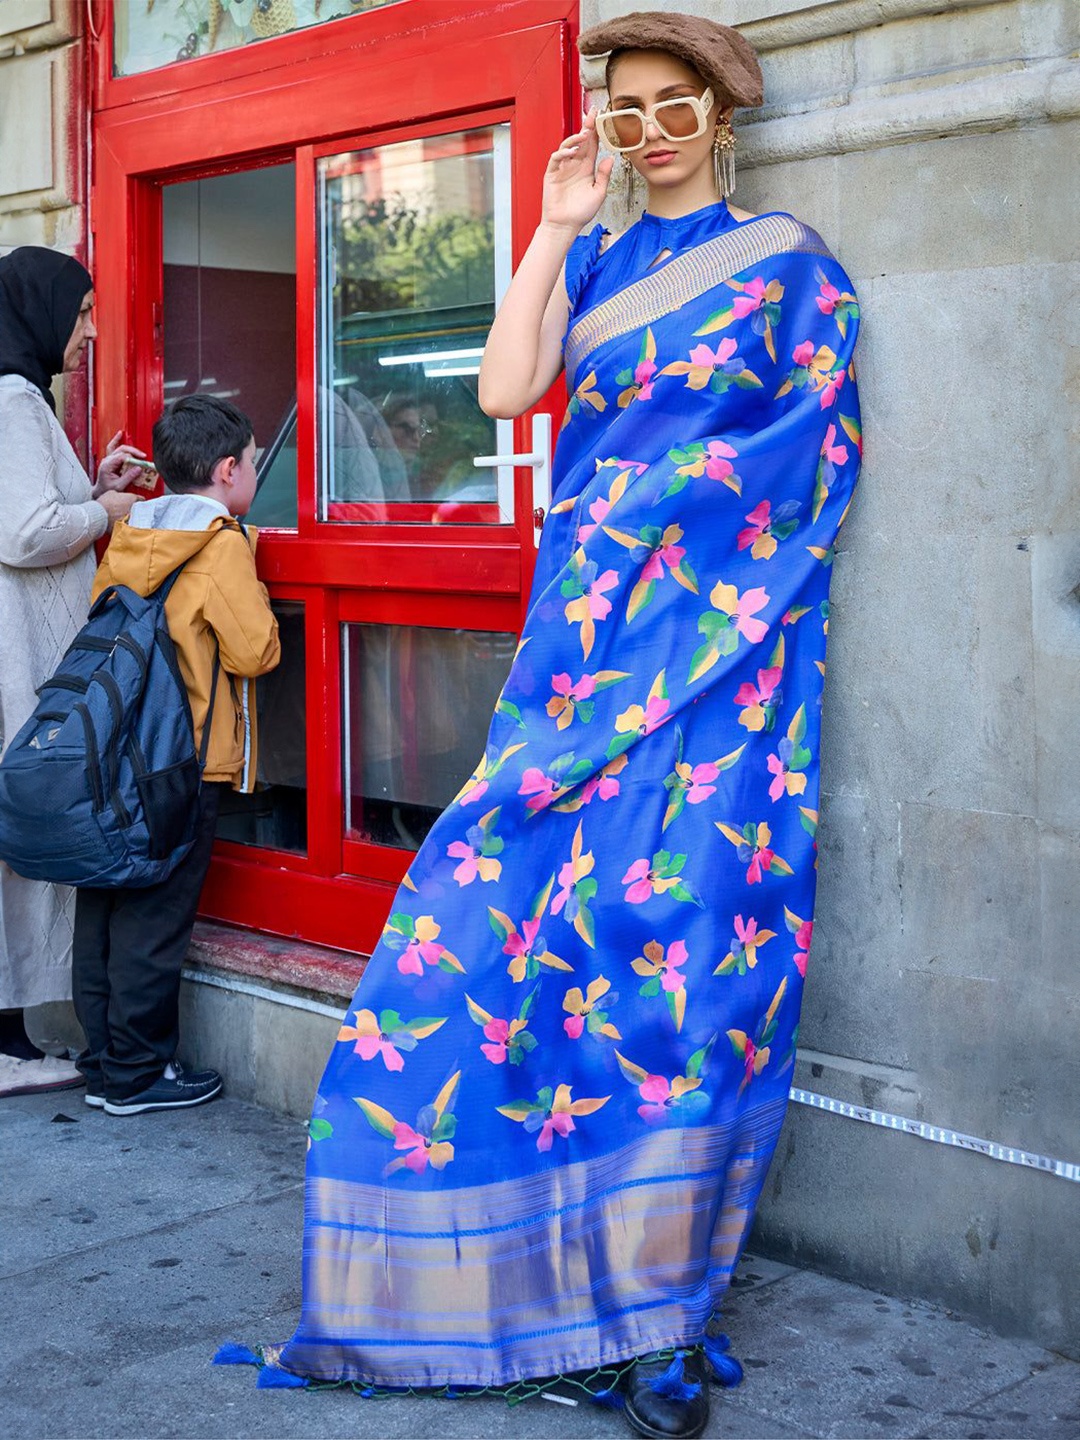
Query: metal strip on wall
{"points": [[939, 1134]]}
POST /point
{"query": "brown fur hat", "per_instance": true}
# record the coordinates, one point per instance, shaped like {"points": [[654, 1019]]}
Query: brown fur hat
{"points": [[719, 54]]}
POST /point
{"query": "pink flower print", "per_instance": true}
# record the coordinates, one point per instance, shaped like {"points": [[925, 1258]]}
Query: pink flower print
{"points": [[422, 1149], [750, 602], [656, 1092], [702, 355], [498, 1032], [717, 466], [550, 1115], [599, 512], [370, 1041], [574, 1025], [417, 941], [603, 784], [752, 843], [566, 698], [422, 948], [593, 598], [663, 975], [755, 532], [664, 554], [477, 851], [747, 933], [785, 779], [584, 589], [581, 1010], [472, 863], [833, 383], [522, 946], [701, 787], [640, 880], [643, 378], [829, 298], [659, 876], [719, 369], [655, 965], [473, 791], [561, 1123], [638, 381], [540, 786], [741, 609], [761, 857], [760, 700], [836, 454], [643, 720], [745, 944], [751, 298], [804, 353], [673, 978], [803, 930]]}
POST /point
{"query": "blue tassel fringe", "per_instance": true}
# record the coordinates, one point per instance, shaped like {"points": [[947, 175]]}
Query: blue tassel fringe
{"points": [[610, 1399], [231, 1354], [272, 1378], [726, 1369], [671, 1384]]}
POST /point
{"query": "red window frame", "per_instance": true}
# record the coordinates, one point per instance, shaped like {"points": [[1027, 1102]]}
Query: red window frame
{"points": [[428, 68]]}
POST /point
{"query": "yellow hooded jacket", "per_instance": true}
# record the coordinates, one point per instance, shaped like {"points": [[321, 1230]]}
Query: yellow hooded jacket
{"points": [[217, 604]]}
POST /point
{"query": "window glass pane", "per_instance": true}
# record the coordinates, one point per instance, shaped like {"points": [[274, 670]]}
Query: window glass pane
{"points": [[275, 815], [149, 33], [230, 312], [418, 704], [411, 263]]}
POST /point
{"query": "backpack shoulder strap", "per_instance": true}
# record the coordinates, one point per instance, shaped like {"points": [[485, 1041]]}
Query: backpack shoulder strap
{"points": [[205, 745]]}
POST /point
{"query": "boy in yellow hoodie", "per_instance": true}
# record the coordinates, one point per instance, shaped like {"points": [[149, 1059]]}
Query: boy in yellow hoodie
{"points": [[129, 945]]}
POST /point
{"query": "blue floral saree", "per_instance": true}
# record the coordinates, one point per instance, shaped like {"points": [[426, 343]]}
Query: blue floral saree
{"points": [[541, 1135]]}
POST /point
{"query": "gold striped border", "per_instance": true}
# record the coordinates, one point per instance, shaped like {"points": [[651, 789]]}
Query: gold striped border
{"points": [[687, 278]]}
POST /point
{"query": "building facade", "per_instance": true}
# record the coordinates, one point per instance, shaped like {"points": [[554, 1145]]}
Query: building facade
{"points": [[315, 212]]}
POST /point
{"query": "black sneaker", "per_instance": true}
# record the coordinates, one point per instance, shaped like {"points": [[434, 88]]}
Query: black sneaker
{"points": [[176, 1089], [94, 1099]]}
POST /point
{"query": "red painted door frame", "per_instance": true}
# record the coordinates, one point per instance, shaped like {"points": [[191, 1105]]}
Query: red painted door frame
{"points": [[414, 68]]}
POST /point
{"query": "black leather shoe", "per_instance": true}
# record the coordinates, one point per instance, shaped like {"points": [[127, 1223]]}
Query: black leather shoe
{"points": [[670, 1415]]}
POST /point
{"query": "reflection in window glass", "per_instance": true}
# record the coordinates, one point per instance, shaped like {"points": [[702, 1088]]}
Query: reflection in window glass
{"points": [[230, 312], [417, 707], [275, 815], [411, 267], [150, 33]]}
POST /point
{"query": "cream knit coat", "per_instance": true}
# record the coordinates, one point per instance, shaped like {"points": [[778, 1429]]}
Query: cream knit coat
{"points": [[48, 523]]}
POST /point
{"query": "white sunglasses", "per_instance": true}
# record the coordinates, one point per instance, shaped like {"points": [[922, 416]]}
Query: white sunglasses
{"points": [[684, 118]]}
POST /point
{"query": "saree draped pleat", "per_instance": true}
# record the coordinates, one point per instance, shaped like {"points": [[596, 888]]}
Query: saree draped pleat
{"points": [[541, 1136]]}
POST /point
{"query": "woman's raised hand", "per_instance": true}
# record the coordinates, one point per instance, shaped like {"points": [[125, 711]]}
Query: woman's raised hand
{"points": [[114, 472], [574, 184]]}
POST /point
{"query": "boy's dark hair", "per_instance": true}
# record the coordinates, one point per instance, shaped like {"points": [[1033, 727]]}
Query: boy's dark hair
{"points": [[192, 435]]}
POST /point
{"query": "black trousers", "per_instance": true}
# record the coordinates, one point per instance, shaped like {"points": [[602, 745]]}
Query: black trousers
{"points": [[128, 951]]}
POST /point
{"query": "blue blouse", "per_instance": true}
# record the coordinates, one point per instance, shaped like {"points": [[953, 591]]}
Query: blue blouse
{"points": [[592, 274]]}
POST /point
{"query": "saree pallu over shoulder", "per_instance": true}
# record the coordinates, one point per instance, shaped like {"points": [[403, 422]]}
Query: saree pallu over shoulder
{"points": [[686, 278], [550, 1111]]}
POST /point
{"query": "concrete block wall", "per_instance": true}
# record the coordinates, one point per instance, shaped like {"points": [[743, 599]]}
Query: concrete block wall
{"points": [[936, 148]]}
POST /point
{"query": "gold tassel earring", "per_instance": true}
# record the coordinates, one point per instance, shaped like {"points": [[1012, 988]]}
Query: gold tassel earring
{"points": [[723, 153], [628, 181]]}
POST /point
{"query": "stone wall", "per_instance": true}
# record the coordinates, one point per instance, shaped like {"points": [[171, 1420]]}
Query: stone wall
{"points": [[935, 146], [43, 145]]}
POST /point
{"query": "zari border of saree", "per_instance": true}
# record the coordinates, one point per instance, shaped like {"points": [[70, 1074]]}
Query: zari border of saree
{"points": [[675, 1203], [687, 278]]}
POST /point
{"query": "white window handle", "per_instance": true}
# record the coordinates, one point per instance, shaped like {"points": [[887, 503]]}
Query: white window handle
{"points": [[539, 461]]}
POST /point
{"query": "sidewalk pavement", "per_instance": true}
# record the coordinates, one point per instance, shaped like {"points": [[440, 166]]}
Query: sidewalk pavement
{"points": [[130, 1248]]}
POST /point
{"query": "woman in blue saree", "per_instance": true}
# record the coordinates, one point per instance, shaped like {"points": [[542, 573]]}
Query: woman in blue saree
{"points": [[541, 1136]]}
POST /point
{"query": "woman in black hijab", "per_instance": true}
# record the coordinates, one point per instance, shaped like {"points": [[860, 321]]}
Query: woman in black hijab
{"points": [[50, 516]]}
